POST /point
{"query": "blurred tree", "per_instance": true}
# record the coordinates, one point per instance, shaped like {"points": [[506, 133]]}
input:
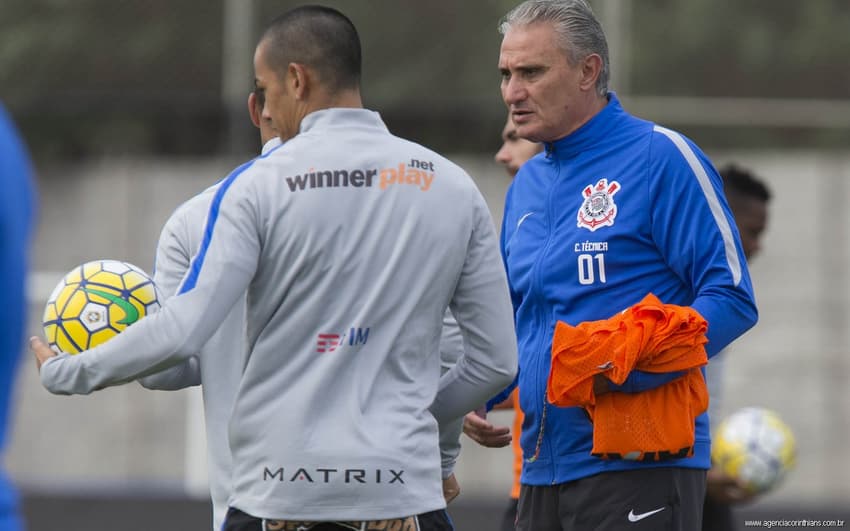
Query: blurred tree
{"points": [[136, 76], [750, 48], [429, 67], [96, 76], [145, 47]]}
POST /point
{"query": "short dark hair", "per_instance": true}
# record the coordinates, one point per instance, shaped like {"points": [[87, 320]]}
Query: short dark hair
{"points": [[743, 183], [320, 38]]}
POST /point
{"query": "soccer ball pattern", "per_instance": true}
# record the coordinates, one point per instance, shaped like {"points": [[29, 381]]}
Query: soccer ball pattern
{"points": [[756, 446], [94, 302]]}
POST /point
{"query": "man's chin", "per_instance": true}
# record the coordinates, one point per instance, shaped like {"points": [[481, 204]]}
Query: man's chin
{"points": [[527, 130]]}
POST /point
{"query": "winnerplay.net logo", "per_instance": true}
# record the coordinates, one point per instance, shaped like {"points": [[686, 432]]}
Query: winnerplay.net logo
{"points": [[416, 173]]}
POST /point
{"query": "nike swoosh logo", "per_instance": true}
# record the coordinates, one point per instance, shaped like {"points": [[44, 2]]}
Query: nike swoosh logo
{"points": [[518, 223], [638, 517], [131, 314]]}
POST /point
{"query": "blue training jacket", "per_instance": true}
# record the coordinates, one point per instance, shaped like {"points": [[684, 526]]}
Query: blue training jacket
{"points": [[617, 209], [16, 213]]}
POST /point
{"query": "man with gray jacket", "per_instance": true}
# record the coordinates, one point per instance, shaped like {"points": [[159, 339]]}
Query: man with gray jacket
{"points": [[350, 243]]}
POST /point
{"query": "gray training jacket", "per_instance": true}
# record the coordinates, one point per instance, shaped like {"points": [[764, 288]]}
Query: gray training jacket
{"points": [[350, 243], [218, 366]]}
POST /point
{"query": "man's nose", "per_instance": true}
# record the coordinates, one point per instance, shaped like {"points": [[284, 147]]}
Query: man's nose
{"points": [[512, 91], [502, 155]]}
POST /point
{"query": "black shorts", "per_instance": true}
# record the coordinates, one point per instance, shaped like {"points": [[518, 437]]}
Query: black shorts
{"points": [[717, 516], [439, 520], [651, 499], [509, 518]]}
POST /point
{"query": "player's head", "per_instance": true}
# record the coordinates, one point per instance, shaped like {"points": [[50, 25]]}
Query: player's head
{"points": [[748, 197], [515, 150], [307, 59], [554, 66], [256, 102]]}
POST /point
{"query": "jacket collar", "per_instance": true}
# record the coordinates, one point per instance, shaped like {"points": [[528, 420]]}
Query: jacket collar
{"points": [[337, 117], [270, 145], [589, 134]]}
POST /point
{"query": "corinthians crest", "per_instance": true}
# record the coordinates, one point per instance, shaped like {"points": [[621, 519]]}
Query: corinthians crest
{"points": [[598, 208]]}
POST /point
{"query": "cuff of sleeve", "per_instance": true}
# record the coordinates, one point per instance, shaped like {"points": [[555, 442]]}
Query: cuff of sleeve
{"points": [[628, 386], [47, 374], [504, 395]]}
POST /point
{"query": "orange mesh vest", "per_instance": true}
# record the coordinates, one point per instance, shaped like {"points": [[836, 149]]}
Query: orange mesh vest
{"points": [[652, 337], [516, 430]]}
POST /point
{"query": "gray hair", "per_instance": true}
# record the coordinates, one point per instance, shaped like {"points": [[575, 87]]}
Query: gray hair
{"points": [[579, 31]]}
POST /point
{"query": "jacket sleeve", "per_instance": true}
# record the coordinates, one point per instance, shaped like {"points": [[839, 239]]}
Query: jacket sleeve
{"points": [[219, 274], [171, 264], [451, 350], [481, 304], [507, 232], [695, 231]]}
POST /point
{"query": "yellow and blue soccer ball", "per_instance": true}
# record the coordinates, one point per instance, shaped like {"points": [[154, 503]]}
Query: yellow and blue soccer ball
{"points": [[756, 446], [95, 302]]}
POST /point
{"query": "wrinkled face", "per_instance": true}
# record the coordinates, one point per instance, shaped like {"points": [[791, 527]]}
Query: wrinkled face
{"points": [[280, 109], [751, 219], [539, 85], [515, 150]]}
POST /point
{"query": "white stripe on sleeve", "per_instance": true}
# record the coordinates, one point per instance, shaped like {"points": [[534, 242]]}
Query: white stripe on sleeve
{"points": [[713, 201]]}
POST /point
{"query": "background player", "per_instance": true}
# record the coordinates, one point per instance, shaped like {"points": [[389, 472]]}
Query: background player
{"points": [[748, 198], [219, 364], [515, 151]]}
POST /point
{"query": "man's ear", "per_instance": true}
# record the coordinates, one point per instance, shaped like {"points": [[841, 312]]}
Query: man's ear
{"points": [[299, 80], [591, 69], [253, 112]]}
